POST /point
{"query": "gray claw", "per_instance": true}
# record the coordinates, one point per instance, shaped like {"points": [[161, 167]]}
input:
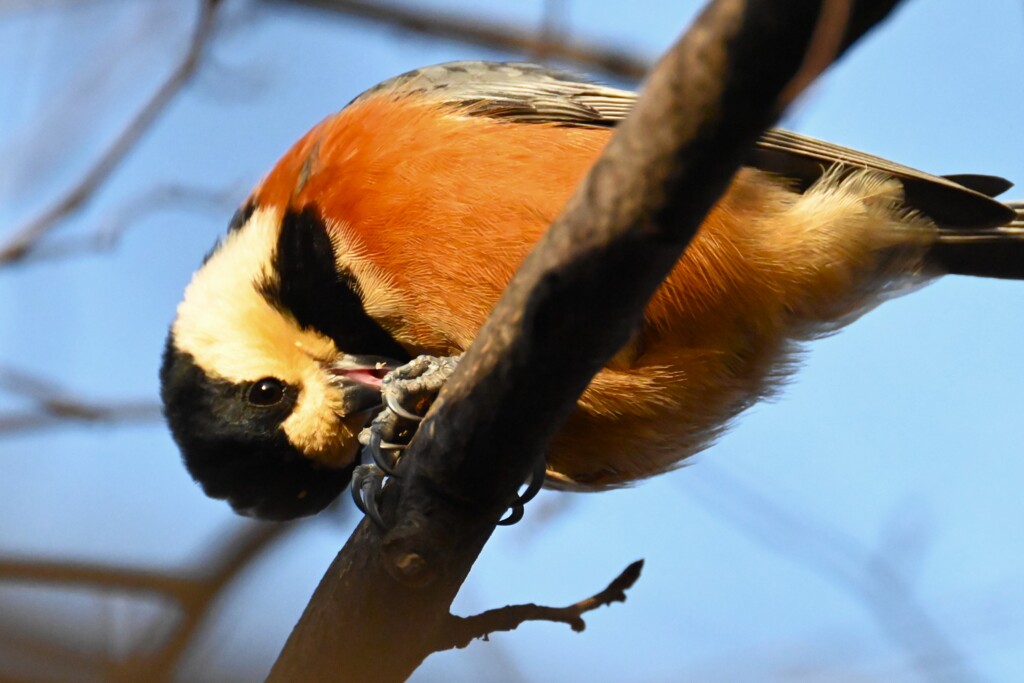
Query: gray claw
{"points": [[533, 487], [367, 483], [515, 513], [397, 408], [540, 470], [416, 382], [385, 433], [376, 447]]}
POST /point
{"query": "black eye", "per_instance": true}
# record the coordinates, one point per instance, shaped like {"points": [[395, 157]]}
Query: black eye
{"points": [[266, 392]]}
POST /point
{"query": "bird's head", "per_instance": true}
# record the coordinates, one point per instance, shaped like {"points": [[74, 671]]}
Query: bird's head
{"points": [[272, 367]]}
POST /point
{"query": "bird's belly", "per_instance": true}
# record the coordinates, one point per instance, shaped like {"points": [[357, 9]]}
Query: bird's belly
{"points": [[769, 269], [635, 422]]}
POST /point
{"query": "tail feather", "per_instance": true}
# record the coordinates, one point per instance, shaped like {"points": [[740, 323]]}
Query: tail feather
{"points": [[988, 185], [1018, 207], [993, 252]]}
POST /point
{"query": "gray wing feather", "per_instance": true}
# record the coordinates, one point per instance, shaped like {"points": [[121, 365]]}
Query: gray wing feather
{"points": [[519, 92]]}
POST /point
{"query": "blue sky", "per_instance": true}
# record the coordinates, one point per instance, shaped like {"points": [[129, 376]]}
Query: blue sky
{"points": [[897, 445]]}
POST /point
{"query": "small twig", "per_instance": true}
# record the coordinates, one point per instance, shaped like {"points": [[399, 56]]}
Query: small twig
{"points": [[479, 31], [25, 238], [461, 631]]}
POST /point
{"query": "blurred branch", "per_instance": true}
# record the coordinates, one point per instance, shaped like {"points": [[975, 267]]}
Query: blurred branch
{"points": [[839, 559], [35, 649], [494, 36], [553, 31], [194, 596], [228, 562], [55, 406], [573, 303], [110, 231], [114, 413], [25, 238], [95, 577]]}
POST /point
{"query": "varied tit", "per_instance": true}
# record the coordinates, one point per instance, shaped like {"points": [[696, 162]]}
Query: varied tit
{"points": [[390, 229]]}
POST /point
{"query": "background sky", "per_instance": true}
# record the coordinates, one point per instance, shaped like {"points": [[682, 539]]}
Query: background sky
{"points": [[868, 525]]}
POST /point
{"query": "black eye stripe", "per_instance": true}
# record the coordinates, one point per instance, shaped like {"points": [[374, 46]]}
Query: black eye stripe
{"points": [[242, 216], [310, 288]]}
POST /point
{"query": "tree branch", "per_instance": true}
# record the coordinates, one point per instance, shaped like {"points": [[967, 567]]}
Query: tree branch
{"points": [[570, 307], [25, 238]]}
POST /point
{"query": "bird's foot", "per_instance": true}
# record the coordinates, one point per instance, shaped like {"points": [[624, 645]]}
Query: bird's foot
{"points": [[407, 393], [367, 483]]}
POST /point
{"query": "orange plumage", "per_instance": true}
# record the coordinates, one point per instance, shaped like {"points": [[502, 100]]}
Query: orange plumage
{"points": [[439, 208]]}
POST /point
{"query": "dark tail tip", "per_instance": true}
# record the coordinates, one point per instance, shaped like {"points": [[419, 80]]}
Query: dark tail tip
{"points": [[982, 258], [995, 252]]}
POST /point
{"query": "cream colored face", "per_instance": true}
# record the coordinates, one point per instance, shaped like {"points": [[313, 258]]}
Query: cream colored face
{"points": [[236, 335]]}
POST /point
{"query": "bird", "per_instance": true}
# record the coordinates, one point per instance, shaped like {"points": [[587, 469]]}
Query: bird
{"points": [[391, 228]]}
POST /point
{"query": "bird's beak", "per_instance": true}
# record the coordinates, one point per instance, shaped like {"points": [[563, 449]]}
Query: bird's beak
{"points": [[359, 378]]}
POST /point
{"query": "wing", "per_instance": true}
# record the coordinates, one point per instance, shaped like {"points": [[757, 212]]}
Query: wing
{"points": [[519, 92], [527, 93], [962, 201]]}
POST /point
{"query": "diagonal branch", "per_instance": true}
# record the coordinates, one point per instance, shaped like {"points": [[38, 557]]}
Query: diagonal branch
{"points": [[25, 238], [570, 307]]}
